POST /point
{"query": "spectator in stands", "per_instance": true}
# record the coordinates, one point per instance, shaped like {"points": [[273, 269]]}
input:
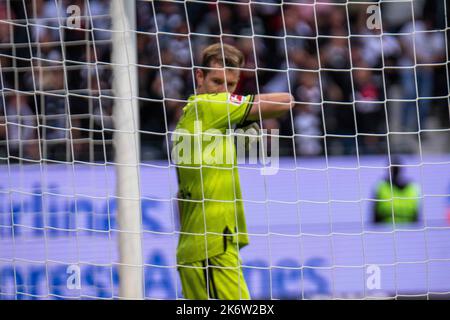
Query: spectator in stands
{"points": [[308, 121]]}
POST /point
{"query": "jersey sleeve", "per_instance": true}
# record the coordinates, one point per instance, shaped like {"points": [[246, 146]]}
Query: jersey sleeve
{"points": [[223, 110]]}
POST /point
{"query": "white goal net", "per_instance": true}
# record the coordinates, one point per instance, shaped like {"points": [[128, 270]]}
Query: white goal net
{"points": [[358, 205]]}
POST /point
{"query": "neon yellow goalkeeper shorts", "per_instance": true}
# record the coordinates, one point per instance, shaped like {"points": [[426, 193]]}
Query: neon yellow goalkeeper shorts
{"points": [[219, 277]]}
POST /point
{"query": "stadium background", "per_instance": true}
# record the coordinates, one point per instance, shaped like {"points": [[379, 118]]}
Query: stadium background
{"points": [[414, 261]]}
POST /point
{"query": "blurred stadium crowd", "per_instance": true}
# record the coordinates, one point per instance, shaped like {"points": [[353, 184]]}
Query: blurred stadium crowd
{"points": [[352, 86]]}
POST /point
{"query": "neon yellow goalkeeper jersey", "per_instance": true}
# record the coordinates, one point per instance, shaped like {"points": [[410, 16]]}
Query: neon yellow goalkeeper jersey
{"points": [[209, 188]]}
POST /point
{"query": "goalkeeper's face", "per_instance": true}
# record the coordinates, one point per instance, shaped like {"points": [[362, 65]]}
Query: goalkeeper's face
{"points": [[217, 80]]}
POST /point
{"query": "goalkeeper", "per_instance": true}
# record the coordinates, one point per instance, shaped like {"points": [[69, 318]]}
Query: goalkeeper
{"points": [[212, 222]]}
